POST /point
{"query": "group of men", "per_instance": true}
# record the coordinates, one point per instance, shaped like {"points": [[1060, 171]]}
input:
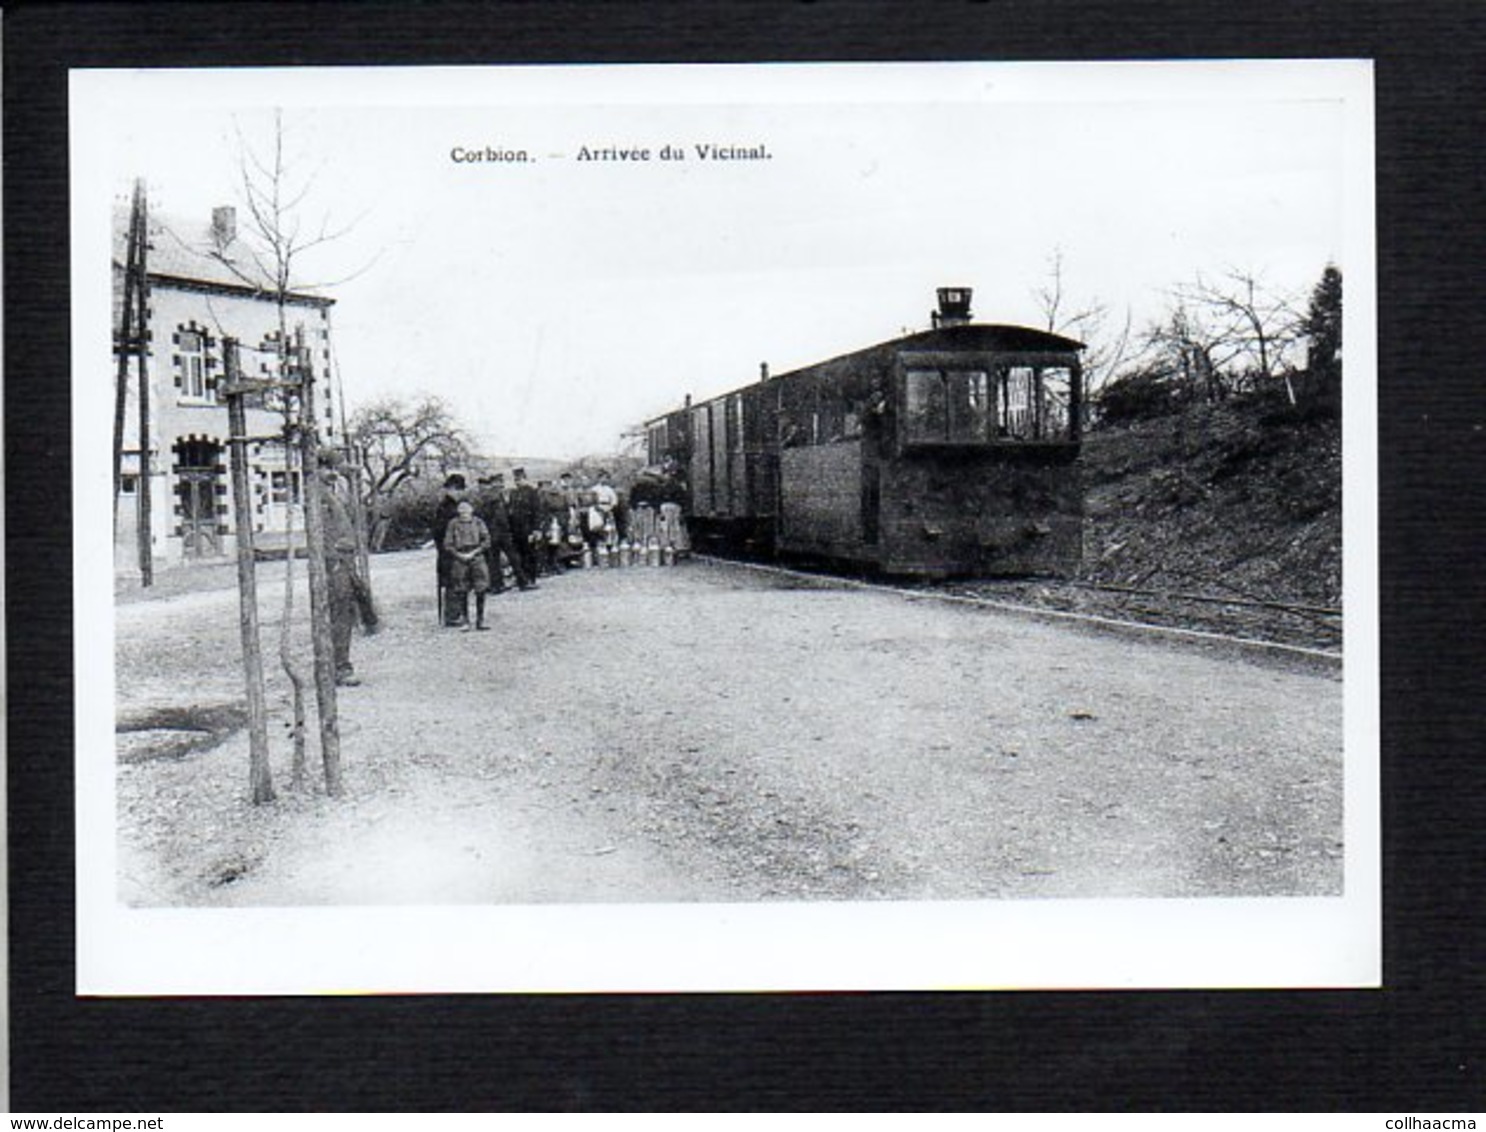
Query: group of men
{"points": [[532, 527]]}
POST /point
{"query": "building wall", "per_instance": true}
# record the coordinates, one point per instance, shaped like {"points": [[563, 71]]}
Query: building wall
{"points": [[189, 422]]}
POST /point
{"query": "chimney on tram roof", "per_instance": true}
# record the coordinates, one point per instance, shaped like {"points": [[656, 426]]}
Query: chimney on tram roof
{"points": [[954, 307]]}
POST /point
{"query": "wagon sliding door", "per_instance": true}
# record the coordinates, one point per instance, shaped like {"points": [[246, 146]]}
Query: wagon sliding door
{"points": [[703, 487]]}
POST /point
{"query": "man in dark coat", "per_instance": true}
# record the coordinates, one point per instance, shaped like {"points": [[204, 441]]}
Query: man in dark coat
{"points": [[350, 597], [526, 519], [448, 508], [494, 509]]}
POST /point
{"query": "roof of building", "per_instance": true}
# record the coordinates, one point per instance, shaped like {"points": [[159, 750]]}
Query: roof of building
{"points": [[191, 252]]}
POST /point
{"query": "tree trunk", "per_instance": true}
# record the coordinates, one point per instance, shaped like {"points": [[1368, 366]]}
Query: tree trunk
{"points": [[297, 772], [320, 635], [260, 777]]}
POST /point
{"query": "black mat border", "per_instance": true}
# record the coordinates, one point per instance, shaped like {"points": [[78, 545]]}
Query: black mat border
{"points": [[1415, 1047]]}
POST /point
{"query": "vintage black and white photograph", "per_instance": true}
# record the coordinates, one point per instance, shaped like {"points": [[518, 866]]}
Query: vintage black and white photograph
{"points": [[725, 527]]}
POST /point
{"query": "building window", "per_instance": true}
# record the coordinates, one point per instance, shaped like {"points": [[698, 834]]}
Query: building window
{"points": [[284, 487], [192, 362], [128, 485]]}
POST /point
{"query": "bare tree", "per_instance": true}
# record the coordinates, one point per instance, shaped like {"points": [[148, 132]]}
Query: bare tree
{"points": [[1253, 326], [394, 441], [1192, 352], [1108, 342], [266, 255]]}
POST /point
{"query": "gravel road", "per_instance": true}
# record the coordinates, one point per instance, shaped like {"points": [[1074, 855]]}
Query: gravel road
{"points": [[712, 732]]}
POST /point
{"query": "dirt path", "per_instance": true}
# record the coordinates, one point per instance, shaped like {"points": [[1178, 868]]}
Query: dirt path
{"points": [[708, 733]]}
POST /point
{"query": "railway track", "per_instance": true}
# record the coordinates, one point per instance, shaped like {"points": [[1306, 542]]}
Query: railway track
{"points": [[1243, 621]]}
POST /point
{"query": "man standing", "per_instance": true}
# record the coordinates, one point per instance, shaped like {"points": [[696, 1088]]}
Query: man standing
{"points": [[495, 512], [448, 507], [554, 511], [526, 518], [348, 592]]}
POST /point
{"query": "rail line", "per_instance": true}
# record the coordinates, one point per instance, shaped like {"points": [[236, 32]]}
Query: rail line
{"points": [[1328, 655]]}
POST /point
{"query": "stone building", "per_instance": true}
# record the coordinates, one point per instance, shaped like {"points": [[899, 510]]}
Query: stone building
{"points": [[205, 286]]}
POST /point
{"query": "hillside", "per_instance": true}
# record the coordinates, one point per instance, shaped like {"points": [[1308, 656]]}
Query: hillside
{"points": [[1232, 500], [1223, 518]]}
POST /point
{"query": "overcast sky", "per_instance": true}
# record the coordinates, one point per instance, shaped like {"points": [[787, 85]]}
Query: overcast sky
{"points": [[557, 302]]}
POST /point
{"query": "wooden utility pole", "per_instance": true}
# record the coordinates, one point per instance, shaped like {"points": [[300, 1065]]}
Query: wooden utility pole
{"points": [[133, 342], [125, 346], [143, 492], [314, 526], [260, 778]]}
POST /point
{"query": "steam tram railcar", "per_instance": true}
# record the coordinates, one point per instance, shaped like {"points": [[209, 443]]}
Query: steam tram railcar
{"points": [[949, 452]]}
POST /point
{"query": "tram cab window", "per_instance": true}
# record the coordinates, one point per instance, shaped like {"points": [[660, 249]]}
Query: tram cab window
{"points": [[1016, 415], [1032, 402], [947, 406], [1016, 403], [1057, 386]]}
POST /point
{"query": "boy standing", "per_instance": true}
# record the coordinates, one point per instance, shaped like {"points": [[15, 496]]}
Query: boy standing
{"points": [[467, 541]]}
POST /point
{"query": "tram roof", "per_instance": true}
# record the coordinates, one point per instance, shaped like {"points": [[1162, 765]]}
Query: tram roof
{"points": [[990, 337], [987, 336]]}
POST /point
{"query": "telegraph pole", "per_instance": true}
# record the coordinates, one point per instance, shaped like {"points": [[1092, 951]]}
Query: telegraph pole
{"points": [[142, 301], [124, 349], [133, 343], [260, 778]]}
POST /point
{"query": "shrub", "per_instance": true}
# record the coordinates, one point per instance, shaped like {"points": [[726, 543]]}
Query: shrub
{"points": [[406, 519], [1139, 396]]}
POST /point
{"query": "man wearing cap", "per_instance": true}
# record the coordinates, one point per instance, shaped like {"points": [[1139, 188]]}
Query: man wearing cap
{"points": [[526, 518], [448, 507], [494, 510]]}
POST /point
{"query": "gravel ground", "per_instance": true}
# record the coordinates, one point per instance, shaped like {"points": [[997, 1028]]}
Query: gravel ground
{"points": [[712, 732]]}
